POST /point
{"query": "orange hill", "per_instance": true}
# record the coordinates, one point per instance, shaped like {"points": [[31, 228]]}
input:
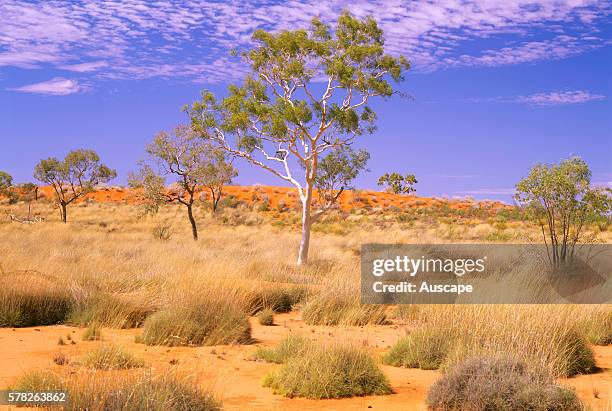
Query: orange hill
{"points": [[288, 197]]}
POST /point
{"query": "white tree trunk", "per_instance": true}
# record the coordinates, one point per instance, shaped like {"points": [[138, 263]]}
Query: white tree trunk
{"points": [[306, 225]]}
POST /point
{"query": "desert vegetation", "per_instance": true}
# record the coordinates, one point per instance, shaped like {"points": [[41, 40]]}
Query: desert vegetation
{"points": [[120, 308]]}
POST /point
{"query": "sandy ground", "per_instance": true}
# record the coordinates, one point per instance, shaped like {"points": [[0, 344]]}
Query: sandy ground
{"points": [[238, 380]]}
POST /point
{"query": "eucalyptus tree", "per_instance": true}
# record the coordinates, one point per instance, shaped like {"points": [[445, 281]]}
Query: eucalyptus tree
{"points": [[193, 163], [73, 177], [397, 183], [560, 198], [308, 93], [6, 181]]}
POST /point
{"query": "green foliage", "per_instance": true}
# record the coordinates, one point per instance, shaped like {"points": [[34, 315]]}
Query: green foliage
{"points": [[560, 198], [111, 357], [397, 183], [6, 181], [329, 372], [337, 170], [481, 384], [289, 347], [74, 176], [425, 348]]}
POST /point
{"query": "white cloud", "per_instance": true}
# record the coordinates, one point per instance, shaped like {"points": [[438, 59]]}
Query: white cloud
{"points": [[57, 86], [558, 98], [191, 39], [85, 67]]}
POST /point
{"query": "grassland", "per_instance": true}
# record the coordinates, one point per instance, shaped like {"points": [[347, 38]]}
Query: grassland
{"points": [[190, 312]]}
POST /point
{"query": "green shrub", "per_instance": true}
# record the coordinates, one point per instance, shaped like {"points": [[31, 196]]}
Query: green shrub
{"points": [[110, 357], [207, 322], [266, 317], [93, 332], [482, 384], [425, 348], [579, 357], [329, 372], [289, 347], [28, 300], [38, 381]]}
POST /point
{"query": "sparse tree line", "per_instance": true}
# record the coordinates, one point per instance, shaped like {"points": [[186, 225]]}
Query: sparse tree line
{"points": [[297, 116]]}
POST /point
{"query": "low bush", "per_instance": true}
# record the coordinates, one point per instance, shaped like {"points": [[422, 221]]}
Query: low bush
{"points": [[210, 320], [597, 328], [146, 391], [339, 308], [481, 384], [28, 300], [329, 372], [111, 311], [266, 317], [289, 347], [279, 299], [93, 332], [425, 348], [111, 357]]}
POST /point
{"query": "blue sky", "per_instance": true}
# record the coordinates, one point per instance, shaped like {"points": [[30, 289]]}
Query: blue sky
{"points": [[497, 86]]}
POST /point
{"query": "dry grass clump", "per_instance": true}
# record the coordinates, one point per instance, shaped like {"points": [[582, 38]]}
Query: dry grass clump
{"points": [[111, 357], [92, 333], [498, 383], [145, 391], [425, 348], [340, 305], [29, 299], [291, 346], [266, 317], [111, 310], [334, 371], [208, 318], [545, 336], [597, 328], [279, 299]]}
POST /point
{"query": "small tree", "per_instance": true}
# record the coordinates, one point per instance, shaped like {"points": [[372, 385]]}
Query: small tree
{"points": [[308, 95], [216, 175], [73, 177], [397, 183], [6, 182], [336, 172], [28, 192], [191, 160], [560, 198]]}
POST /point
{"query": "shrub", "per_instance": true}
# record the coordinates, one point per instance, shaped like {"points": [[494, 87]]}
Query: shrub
{"points": [[280, 300], [329, 372], [92, 333], [28, 300], [289, 347], [60, 358], [425, 348], [597, 328], [266, 317], [332, 308], [110, 310], [499, 384], [210, 321], [110, 357], [162, 232], [129, 393]]}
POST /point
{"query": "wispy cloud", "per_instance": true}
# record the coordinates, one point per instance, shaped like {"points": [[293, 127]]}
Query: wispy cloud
{"points": [[57, 86], [545, 99], [558, 98], [191, 39]]}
